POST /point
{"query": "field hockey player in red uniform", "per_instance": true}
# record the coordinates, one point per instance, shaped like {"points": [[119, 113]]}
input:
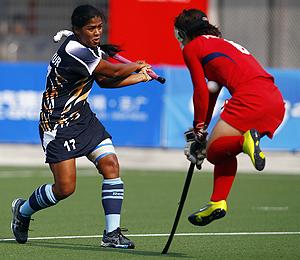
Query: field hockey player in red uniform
{"points": [[255, 109]]}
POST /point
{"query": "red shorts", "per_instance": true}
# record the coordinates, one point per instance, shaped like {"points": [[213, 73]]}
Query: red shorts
{"points": [[257, 104]]}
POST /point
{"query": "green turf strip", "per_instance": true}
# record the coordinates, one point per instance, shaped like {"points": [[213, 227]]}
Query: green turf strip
{"points": [[257, 203]]}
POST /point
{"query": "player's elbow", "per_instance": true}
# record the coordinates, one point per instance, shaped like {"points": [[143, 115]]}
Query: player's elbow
{"points": [[116, 75]]}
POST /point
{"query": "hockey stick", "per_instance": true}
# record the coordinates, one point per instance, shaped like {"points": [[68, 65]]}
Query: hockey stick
{"points": [[151, 73], [180, 207], [112, 52]]}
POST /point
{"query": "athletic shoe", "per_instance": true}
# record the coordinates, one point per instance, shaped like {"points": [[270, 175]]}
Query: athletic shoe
{"points": [[116, 239], [251, 147], [19, 224], [212, 211]]}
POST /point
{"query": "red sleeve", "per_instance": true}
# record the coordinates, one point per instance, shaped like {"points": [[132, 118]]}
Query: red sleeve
{"points": [[201, 94]]}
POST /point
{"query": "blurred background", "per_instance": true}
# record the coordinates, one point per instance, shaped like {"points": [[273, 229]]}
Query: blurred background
{"points": [[147, 116], [269, 28]]}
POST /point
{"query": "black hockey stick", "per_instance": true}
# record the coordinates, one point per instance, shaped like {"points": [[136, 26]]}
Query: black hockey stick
{"points": [[180, 207]]}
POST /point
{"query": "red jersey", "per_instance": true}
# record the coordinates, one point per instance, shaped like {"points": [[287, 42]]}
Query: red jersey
{"points": [[223, 61], [227, 63]]}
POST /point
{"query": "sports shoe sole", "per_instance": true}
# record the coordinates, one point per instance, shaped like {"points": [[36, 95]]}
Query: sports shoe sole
{"points": [[216, 214], [112, 245], [259, 157]]}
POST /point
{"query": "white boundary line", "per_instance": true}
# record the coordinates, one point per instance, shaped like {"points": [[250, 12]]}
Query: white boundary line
{"points": [[165, 235]]}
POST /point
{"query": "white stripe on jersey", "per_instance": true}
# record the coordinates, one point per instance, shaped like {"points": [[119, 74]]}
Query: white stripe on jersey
{"points": [[48, 137], [84, 55]]}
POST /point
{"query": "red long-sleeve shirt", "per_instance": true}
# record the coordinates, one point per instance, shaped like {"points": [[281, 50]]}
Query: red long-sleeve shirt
{"points": [[220, 60]]}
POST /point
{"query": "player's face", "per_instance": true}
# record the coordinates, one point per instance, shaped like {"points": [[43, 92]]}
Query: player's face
{"points": [[90, 34], [181, 39]]}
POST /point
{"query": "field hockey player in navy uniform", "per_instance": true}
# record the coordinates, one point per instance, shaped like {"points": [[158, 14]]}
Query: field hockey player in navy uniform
{"points": [[69, 129]]}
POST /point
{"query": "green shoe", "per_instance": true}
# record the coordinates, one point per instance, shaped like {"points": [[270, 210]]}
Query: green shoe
{"points": [[212, 211], [251, 147]]}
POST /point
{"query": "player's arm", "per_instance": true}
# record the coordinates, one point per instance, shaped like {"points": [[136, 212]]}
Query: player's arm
{"points": [[117, 70], [105, 82], [87, 63], [201, 94]]}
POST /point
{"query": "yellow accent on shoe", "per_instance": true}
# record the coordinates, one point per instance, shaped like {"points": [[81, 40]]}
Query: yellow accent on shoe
{"points": [[212, 211], [251, 147], [248, 146], [261, 154]]}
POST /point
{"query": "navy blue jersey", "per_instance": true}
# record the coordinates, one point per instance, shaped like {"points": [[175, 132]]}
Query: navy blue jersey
{"points": [[68, 127], [69, 81]]}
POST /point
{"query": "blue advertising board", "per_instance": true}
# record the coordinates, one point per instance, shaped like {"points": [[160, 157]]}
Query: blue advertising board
{"points": [[179, 109], [131, 114], [144, 115], [287, 136], [21, 86]]}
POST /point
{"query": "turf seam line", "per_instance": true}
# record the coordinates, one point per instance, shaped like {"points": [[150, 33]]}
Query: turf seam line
{"points": [[164, 235]]}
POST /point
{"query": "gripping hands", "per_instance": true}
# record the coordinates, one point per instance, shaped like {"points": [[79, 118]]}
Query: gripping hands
{"points": [[195, 147]]}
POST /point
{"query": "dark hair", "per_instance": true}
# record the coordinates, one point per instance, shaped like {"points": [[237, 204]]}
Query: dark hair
{"points": [[83, 13], [194, 22]]}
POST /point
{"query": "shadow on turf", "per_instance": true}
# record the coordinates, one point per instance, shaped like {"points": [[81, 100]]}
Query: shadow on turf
{"points": [[81, 247]]}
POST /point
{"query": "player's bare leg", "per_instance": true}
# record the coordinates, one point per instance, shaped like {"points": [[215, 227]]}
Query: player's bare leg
{"points": [[43, 197], [64, 174]]}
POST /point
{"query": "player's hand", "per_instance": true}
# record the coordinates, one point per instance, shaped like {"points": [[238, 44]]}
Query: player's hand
{"points": [[143, 64], [144, 71], [194, 151]]}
